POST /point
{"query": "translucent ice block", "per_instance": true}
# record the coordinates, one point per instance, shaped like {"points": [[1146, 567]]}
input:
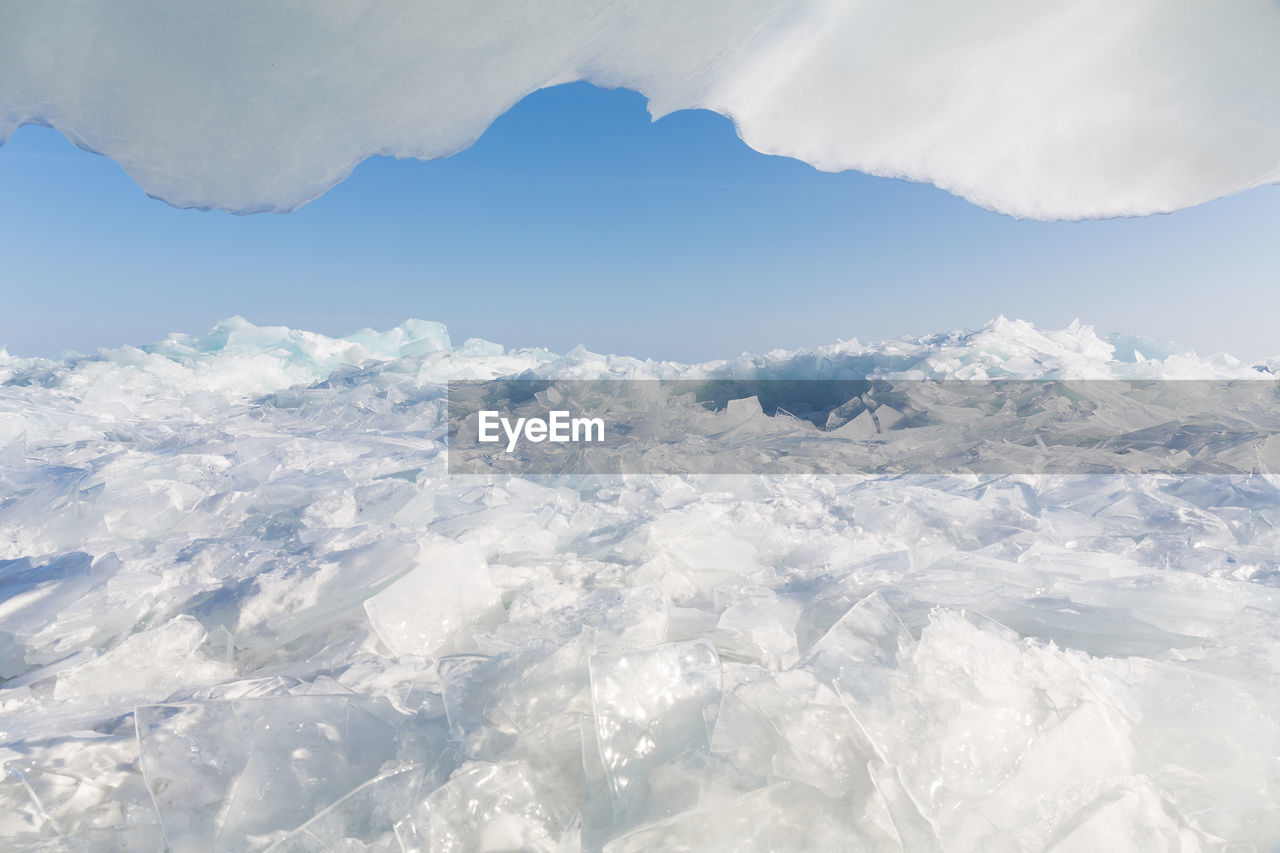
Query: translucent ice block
{"points": [[240, 775], [363, 820], [449, 590], [650, 707], [489, 807]]}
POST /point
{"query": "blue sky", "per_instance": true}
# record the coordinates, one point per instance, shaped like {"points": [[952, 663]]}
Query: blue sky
{"points": [[575, 219]]}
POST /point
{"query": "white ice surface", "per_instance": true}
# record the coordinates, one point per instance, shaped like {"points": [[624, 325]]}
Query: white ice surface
{"points": [[1073, 109], [243, 607]]}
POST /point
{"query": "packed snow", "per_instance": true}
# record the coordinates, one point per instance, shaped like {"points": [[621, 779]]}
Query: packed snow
{"points": [[244, 607], [1073, 109]]}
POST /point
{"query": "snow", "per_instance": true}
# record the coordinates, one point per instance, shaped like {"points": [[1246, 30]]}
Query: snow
{"points": [[244, 606], [1070, 110]]}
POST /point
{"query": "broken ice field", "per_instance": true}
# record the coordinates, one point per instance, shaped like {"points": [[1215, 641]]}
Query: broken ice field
{"points": [[245, 606]]}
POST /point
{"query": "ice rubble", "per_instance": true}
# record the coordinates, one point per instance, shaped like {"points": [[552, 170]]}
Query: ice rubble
{"points": [[1068, 110], [244, 608]]}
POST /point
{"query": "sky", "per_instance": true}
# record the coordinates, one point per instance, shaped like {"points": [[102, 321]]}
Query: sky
{"points": [[576, 219]]}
